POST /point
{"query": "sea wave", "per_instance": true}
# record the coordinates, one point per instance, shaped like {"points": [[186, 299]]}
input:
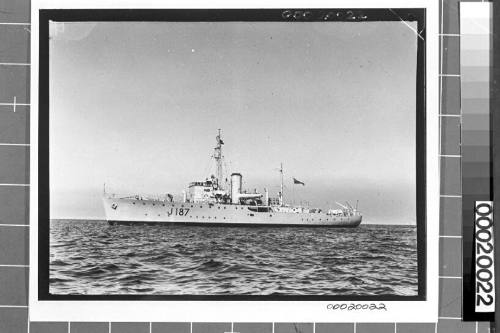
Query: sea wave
{"points": [[93, 258]]}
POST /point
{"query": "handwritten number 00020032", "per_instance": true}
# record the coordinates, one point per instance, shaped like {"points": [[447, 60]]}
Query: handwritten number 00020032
{"points": [[353, 307]]}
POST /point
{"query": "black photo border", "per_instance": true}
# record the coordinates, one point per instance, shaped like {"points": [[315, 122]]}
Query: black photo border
{"points": [[227, 15]]}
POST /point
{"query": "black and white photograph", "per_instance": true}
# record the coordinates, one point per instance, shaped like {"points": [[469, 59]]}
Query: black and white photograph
{"points": [[233, 158]]}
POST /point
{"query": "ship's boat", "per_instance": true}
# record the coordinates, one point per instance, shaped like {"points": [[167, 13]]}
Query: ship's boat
{"points": [[213, 202]]}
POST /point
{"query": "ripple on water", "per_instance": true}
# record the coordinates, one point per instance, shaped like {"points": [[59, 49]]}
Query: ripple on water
{"points": [[91, 257]]}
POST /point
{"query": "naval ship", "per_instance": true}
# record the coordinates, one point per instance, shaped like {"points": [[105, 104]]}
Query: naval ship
{"points": [[213, 202]]}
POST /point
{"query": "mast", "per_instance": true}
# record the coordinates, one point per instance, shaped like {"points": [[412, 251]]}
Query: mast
{"points": [[218, 160], [282, 201]]}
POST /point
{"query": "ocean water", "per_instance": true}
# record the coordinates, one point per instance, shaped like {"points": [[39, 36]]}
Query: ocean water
{"points": [[94, 258]]}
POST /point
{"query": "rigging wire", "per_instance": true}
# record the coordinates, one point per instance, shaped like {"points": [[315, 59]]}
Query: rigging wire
{"points": [[208, 168]]}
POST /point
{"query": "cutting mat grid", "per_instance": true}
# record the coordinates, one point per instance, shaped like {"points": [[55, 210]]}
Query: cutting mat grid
{"points": [[14, 188]]}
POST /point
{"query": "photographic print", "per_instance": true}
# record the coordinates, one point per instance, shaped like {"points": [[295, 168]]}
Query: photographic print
{"points": [[201, 115], [232, 155]]}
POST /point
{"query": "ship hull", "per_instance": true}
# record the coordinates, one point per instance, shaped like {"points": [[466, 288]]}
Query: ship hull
{"points": [[229, 224], [134, 211]]}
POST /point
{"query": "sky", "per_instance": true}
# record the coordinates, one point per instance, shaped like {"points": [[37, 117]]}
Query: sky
{"points": [[137, 105]]}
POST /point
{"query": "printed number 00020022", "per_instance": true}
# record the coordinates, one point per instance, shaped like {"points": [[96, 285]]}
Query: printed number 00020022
{"points": [[484, 256]]}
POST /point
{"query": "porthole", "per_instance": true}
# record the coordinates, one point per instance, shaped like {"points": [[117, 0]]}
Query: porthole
{"points": [[163, 205], [133, 203], [153, 204], [201, 206]]}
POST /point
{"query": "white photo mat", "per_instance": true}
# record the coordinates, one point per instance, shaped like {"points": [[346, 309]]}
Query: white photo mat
{"points": [[249, 311]]}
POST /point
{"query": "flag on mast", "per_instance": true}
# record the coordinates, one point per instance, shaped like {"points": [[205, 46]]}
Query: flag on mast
{"points": [[296, 181]]}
